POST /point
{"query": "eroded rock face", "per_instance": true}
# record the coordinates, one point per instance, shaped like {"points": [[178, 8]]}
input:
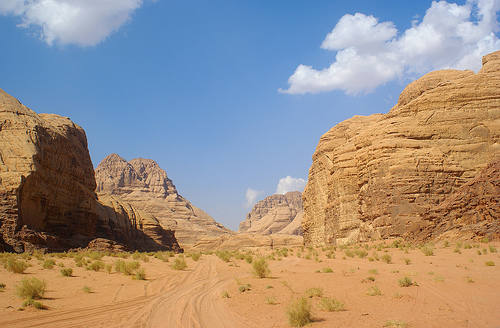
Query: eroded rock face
{"points": [[47, 183], [275, 214], [142, 183], [472, 212], [376, 176]]}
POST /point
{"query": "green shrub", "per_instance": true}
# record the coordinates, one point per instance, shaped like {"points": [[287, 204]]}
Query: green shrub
{"points": [[395, 323], [327, 270], [313, 292], [374, 291], [405, 282], [136, 255], [260, 268], [387, 258], [127, 268], [299, 313], [249, 258], [371, 278], [2, 287], [428, 251], [15, 266], [224, 255], [407, 260], [35, 304], [87, 289], [490, 263], [439, 278], [179, 264], [349, 253], [493, 249], [373, 271], [331, 305], [485, 240], [140, 274], [67, 272], [244, 288], [361, 253], [196, 256], [108, 267], [96, 266], [48, 264], [32, 288], [225, 294], [271, 300]]}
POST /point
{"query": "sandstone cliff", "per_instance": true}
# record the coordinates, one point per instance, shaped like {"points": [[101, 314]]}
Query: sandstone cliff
{"points": [[275, 214], [376, 176], [47, 198], [142, 183]]}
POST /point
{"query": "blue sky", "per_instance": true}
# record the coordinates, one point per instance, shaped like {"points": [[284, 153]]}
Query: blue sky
{"points": [[229, 97]]}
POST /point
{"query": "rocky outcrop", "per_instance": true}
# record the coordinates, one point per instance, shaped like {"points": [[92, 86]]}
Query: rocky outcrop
{"points": [[142, 183], [47, 198], [377, 176], [472, 212], [243, 241], [275, 214]]}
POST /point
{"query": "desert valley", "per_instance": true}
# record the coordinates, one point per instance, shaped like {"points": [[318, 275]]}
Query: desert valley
{"points": [[398, 226]]}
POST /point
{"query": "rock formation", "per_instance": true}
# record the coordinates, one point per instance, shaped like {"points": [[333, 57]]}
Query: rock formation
{"points": [[47, 198], [377, 176], [275, 214], [246, 241], [472, 212], [142, 183]]}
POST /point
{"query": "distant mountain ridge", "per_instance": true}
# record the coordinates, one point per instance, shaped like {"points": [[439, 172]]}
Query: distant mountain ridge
{"points": [[275, 214], [142, 183]]}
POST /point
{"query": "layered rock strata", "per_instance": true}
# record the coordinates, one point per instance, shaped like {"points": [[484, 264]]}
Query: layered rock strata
{"points": [[275, 214], [146, 186], [47, 198], [375, 177]]}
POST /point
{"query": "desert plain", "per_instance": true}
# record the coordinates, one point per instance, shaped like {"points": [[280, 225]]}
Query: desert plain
{"points": [[455, 286]]}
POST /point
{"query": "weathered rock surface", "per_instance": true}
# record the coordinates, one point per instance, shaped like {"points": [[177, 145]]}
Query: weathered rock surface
{"points": [[376, 176], [275, 214], [47, 198], [472, 212], [142, 183], [245, 241]]}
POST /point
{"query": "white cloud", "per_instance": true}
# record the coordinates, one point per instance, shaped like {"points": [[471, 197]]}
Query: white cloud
{"points": [[370, 53], [81, 22], [251, 197], [290, 184]]}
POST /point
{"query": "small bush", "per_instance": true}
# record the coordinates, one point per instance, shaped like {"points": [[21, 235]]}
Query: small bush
{"points": [[31, 288], [271, 300], [127, 268], [140, 274], [457, 250], [485, 240], [35, 304], [249, 258], [96, 266], [67, 272], [225, 294], [361, 253], [490, 263], [87, 289], [244, 288], [2, 287], [428, 251], [224, 255], [395, 323], [48, 264], [299, 313], [405, 282], [439, 278], [493, 249], [387, 258], [260, 268], [407, 260], [15, 266], [374, 291], [313, 292], [327, 270], [373, 271], [349, 253], [108, 268], [196, 256], [179, 264], [331, 305], [371, 278]]}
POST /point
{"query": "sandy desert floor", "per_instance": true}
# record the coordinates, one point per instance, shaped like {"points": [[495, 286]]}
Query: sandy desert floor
{"points": [[452, 290]]}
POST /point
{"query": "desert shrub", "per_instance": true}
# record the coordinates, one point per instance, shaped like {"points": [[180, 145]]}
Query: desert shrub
{"points": [[249, 258], [15, 266], [407, 260], [331, 305], [427, 250], [224, 255], [108, 268], [125, 267], [361, 253], [467, 246], [87, 289], [96, 266], [485, 240], [470, 280], [136, 255], [140, 274], [493, 249], [196, 256], [405, 282], [299, 313], [439, 278], [225, 294], [66, 272], [446, 243], [327, 270], [349, 253], [373, 271], [260, 268], [371, 278], [271, 300], [96, 256], [2, 287], [144, 258], [35, 304], [313, 292], [374, 291], [244, 288], [490, 263], [49, 264], [395, 323], [387, 258], [330, 255], [32, 288], [179, 264], [457, 250]]}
